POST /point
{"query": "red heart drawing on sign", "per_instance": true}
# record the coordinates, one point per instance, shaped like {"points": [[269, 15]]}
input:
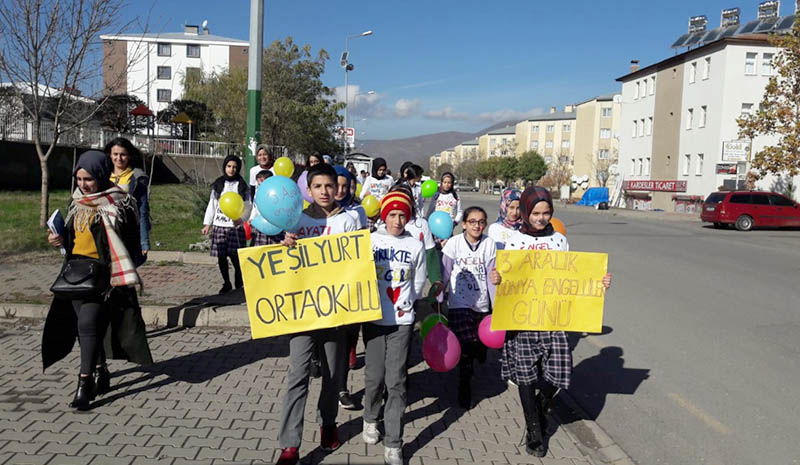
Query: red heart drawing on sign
{"points": [[393, 293]]}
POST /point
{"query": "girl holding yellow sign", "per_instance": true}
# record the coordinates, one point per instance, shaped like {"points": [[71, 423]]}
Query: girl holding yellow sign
{"points": [[537, 359]]}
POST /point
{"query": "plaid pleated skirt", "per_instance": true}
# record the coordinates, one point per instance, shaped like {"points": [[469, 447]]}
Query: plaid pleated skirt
{"points": [[226, 241], [532, 355], [464, 323], [260, 238]]}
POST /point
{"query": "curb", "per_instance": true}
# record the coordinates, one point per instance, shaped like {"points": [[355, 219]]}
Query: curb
{"points": [[188, 315], [591, 439], [191, 258]]}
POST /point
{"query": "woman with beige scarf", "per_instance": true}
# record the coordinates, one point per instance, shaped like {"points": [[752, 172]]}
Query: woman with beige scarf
{"points": [[101, 225]]}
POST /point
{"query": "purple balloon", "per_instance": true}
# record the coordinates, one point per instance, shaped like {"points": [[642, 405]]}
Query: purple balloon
{"points": [[302, 183], [441, 349], [491, 339]]}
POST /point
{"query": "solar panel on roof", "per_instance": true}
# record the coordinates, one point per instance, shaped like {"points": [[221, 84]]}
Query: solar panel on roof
{"points": [[728, 32], [694, 39], [785, 24], [712, 35], [749, 27], [679, 43], [766, 25]]}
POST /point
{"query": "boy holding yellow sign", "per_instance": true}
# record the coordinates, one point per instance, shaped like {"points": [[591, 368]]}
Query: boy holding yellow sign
{"points": [[323, 217], [537, 359]]}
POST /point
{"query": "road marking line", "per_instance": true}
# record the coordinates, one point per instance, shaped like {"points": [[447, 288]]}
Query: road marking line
{"points": [[700, 414]]}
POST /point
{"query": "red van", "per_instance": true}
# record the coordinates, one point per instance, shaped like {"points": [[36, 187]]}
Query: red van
{"points": [[748, 209]]}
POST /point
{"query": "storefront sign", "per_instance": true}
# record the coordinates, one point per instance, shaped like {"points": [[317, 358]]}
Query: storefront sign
{"points": [[735, 150], [726, 168], [657, 186]]}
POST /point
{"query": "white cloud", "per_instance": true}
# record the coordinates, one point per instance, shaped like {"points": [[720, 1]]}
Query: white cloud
{"points": [[447, 113], [361, 102], [404, 108]]}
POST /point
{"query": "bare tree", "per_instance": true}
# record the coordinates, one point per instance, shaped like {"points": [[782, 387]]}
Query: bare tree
{"points": [[559, 172], [602, 168], [51, 53]]}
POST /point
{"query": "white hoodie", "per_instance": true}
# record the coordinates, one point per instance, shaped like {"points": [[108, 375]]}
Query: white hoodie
{"points": [[401, 272], [214, 215]]}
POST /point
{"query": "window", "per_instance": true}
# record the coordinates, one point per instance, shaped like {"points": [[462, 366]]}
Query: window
{"points": [[649, 86], [633, 133], [633, 166], [759, 199], [602, 154], [766, 64], [564, 144], [164, 72], [641, 127], [639, 167], [707, 68], [740, 198], [703, 116], [689, 118], [647, 166], [605, 133], [692, 72], [548, 144], [698, 167], [164, 50], [780, 201], [548, 160], [534, 128], [550, 128], [750, 63], [194, 73], [687, 163], [192, 51], [164, 95], [492, 143], [565, 128], [636, 90], [649, 129], [504, 141], [535, 144], [652, 85], [747, 109], [606, 112]]}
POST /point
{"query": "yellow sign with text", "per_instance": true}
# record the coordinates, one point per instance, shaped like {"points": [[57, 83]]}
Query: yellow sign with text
{"points": [[323, 282], [548, 290]]}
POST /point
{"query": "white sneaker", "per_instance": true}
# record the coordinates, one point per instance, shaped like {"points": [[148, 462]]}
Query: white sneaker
{"points": [[370, 433], [393, 456]]}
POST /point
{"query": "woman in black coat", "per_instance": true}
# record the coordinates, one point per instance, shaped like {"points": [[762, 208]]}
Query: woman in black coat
{"points": [[102, 217]]}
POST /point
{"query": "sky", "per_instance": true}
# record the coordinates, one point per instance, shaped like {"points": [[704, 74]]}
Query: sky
{"points": [[442, 65]]}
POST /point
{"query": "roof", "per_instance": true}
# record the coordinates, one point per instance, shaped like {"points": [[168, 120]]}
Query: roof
{"points": [[559, 115], [505, 130], [600, 98], [762, 39], [177, 37], [469, 142]]}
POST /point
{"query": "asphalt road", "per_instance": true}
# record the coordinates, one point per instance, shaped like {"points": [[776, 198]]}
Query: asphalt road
{"points": [[699, 361]]}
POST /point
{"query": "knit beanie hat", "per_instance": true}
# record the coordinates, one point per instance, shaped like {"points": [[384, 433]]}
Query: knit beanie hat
{"points": [[395, 201]]}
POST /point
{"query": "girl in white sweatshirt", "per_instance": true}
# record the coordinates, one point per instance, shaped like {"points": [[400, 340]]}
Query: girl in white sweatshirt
{"points": [[228, 235], [401, 272], [446, 199]]}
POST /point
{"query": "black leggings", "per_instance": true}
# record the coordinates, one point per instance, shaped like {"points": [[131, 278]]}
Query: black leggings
{"points": [[222, 261], [92, 324]]}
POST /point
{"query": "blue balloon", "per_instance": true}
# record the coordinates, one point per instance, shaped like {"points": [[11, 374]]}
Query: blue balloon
{"points": [[441, 224], [264, 226], [279, 201]]}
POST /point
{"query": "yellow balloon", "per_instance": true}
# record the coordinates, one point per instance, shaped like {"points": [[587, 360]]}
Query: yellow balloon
{"points": [[305, 204], [371, 206], [231, 205], [283, 167], [358, 189]]}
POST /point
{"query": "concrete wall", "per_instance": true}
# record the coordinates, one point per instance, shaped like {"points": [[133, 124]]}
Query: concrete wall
{"points": [[666, 130], [115, 62]]}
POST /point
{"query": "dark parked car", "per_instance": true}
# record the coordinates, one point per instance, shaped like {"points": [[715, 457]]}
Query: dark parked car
{"points": [[748, 209]]}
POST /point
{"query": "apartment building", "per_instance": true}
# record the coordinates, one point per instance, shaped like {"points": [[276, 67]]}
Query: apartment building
{"points": [[679, 139], [152, 66], [467, 150], [550, 135], [498, 143], [596, 149]]}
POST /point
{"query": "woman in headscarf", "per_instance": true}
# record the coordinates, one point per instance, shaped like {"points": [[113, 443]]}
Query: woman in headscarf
{"points": [[379, 183], [101, 218], [509, 220], [536, 359], [344, 196], [132, 180]]}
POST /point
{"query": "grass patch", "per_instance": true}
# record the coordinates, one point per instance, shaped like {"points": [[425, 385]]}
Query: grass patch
{"points": [[176, 211]]}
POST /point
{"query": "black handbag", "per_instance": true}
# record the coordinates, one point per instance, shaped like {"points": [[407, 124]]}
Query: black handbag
{"points": [[81, 278]]}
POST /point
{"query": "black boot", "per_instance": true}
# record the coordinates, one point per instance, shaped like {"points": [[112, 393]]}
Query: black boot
{"points": [[465, 383], [85, 393], [534, 440], [102, 380]]}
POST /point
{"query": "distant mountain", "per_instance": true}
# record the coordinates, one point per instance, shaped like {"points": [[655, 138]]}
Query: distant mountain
{"points": [[419, 149]]}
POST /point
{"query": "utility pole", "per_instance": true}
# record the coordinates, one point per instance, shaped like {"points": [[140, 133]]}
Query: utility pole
{"points": [[254, 82]]}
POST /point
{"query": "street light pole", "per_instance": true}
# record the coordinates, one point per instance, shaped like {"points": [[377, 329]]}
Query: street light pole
{"points": [[347, 67], [254, 81]]}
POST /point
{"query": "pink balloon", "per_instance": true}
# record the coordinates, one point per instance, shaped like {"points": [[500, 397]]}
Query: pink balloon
{"points": [[302, 183], [441, 349], [491, 339]]}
